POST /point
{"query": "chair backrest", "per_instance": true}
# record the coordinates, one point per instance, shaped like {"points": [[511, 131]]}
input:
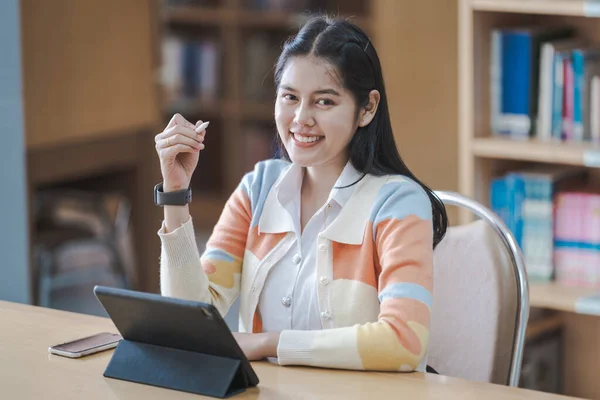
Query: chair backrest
{"points": [[480, 301]]}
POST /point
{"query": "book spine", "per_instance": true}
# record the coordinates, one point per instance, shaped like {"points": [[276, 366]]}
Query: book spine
{"points": [[578, 62], [499, 199], [595, 109], [567, 114], [496, 81], [557, 103], [516, 74], [516, 190], [545, 98]]}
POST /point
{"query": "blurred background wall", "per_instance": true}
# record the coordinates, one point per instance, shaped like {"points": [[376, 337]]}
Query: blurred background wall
{"points": [[417, 42]]}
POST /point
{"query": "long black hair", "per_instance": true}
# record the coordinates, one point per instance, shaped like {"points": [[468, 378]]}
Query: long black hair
{"points": [[372, 149]]}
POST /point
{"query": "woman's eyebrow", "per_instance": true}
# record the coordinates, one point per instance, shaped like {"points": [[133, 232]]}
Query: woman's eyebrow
{"points": [[288, 88], [319, 91], [327, 91]]}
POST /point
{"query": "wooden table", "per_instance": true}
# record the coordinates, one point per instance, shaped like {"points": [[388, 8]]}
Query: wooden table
{"points": [[28, 371]]}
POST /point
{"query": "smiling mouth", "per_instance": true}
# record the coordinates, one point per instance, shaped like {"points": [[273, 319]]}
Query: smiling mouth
{"points": [[306, 138]]}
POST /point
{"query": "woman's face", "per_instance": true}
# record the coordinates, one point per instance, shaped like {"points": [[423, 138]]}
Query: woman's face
{"points": [[315, 115]]}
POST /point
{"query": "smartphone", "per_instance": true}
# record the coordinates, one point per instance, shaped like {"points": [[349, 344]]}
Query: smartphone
{"points": [[86, 346]]}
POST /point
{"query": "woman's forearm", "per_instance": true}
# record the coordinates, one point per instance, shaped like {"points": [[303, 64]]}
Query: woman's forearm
{"points": [[175, 216], [270, 342]]}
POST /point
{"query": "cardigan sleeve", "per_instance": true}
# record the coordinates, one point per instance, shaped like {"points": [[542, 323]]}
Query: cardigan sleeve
{"points": [[402, 232], [215, 276]]}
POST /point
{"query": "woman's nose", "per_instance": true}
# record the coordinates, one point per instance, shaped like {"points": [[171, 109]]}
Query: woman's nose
{"points": [[303, 116]]}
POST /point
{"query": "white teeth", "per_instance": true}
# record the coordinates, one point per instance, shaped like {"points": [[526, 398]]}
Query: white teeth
{"points": [[307, 139]]}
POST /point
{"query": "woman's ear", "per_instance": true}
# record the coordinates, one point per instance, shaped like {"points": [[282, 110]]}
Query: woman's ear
{"points": [[368, 113]]}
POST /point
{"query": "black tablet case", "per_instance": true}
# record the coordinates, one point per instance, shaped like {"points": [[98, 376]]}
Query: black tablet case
{"points": [[161, 346]]}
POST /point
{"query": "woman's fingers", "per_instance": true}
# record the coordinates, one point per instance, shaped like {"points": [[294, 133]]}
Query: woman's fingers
{"points": [[201, 126], [177, 130], [172, 151], [179, 139], [178, 120]]}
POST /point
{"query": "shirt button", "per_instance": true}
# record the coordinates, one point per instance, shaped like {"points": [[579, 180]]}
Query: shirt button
{"points": [[253, 288], [297, 259], [325, 315], [324, 280], [286, 301], [322, 248]]}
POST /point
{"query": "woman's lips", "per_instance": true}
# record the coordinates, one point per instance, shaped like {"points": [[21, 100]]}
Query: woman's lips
{"points": [[306, 140]]}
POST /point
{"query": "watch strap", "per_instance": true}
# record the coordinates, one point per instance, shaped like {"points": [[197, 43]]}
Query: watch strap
{"points": [[175, 198]]}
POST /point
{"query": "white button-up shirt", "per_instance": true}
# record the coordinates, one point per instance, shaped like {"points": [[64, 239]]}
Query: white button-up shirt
{"points": [[289, 299]]}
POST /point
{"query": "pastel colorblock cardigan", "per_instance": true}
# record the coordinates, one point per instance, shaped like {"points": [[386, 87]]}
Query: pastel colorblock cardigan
{"points": [[374, 269]]}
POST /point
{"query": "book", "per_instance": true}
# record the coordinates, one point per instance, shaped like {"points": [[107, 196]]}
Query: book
{"points": [[551, 86], [524, 199], [595, 109], [585, 66], [514, 77], [190, 69], [577, 238], [568, 98]]}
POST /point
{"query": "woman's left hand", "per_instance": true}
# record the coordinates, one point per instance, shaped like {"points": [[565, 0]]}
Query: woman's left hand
{"points": [[258, 346]]}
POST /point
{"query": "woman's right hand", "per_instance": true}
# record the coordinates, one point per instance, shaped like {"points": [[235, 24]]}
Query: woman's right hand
{"points": [[178, 148]]}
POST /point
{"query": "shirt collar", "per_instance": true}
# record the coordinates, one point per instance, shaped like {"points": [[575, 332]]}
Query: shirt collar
{"points": [[287, 189], [345, 184], [350, 224]]}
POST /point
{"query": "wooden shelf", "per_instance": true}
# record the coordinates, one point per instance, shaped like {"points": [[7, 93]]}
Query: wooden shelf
{"points": [[284, 20], [269, 19], [557, 297], [198, 15], [538, 327], [579, 154], [483, 157], [579, 8], [244, 18]]}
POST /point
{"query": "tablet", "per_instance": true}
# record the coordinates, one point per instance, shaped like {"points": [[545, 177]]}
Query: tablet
{"points": [[173, 323]]}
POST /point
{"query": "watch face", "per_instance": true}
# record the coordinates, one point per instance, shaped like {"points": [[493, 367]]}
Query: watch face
{"points": [[156, 189]]}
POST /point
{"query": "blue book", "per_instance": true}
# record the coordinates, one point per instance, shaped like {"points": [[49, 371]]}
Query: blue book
{"points": [[557, 99], [506, 199], [499, 199], [519, 87], [535, 227], [578, 61], [516, 189], [516, 75], [189, 67]]}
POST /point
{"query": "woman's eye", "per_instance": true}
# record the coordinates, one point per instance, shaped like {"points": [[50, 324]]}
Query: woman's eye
{"points": [[289, 97], [325, 102]]}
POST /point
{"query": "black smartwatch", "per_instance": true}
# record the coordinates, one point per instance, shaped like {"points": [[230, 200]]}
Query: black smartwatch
{"points": [[176, 198]]}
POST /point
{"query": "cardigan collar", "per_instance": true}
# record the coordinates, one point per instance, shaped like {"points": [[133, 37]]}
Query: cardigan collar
{"points": [[356, 201]]}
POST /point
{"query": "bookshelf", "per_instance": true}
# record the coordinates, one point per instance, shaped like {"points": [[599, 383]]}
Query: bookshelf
{"points": [[557, 297], [484, 156], [248, 40], [91, 109], [577, 154], [579, 8]]}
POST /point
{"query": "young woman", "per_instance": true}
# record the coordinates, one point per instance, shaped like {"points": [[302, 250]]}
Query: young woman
{"points": [[329, 248]]}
